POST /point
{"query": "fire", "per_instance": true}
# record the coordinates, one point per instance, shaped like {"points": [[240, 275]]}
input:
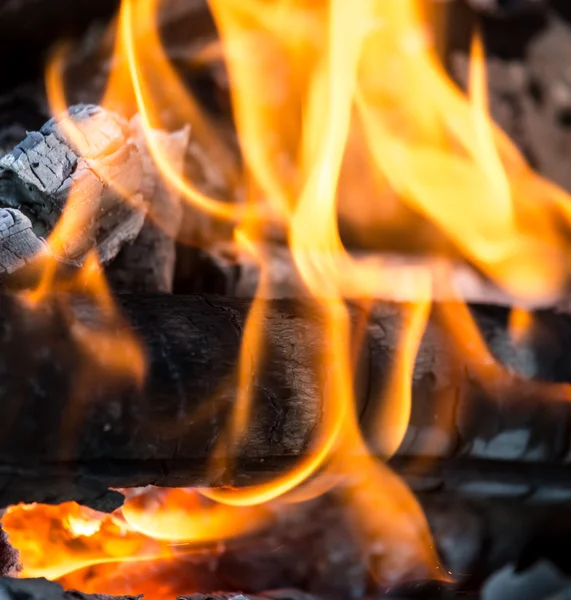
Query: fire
{"points": [[317, 88]]}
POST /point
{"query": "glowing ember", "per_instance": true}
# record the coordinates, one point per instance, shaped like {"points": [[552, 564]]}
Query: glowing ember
{"points": [[316, 88]]}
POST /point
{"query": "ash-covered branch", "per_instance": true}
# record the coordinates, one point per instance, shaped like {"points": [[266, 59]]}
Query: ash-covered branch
{"points": [[41, 173], [111, 190], [42, 589], [18, 242]]}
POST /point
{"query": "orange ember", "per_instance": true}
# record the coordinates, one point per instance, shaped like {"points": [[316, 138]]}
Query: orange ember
{"points": [[344, 115]]}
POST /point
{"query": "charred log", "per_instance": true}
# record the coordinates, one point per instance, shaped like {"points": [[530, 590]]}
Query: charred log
{"points": [[38, 176], [509, 438], [238, 275]]}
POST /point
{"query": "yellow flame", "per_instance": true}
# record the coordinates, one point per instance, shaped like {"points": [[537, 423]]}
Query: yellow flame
{"points": [[146, 14], [394, 414], [315, 87], [520, 324]]}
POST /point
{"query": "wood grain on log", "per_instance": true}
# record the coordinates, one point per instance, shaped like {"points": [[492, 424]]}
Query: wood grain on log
{"points": [[164, 433], [18, 243]]}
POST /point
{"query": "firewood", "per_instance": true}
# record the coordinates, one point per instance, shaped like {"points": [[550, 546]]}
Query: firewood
{"points": [[241, 276], [147, 264], [509, 438], [40, 173], [18, 243], [313, 547]]}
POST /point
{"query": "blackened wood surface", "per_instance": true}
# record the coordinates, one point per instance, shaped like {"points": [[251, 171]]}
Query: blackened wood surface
{"points": [[512, 439]]}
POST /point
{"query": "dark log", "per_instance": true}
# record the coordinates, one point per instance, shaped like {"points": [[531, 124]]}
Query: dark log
{"points": [[73, 427]]}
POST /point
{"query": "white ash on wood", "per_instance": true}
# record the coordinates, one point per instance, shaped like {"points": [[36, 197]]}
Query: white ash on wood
{"points": [[40, 173]]}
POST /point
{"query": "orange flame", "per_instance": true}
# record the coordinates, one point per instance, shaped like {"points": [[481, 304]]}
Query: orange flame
{"points": [[315, 87]]}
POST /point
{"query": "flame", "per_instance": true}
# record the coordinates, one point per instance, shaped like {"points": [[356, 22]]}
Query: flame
{"points": [[520, 324], [57, 540], [344, 117]]}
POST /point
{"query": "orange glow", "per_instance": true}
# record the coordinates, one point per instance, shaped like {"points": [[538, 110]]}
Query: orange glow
{"points": [[52, 544], [344, 118], [520, 324], [57, 540], [144, 53], [394, 413], [181, 516]]}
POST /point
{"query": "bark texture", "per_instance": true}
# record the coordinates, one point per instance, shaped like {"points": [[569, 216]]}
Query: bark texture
{"points": [[45, 170], [509, 438]]}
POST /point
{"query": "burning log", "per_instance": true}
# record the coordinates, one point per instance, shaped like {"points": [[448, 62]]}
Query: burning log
{"points": [[45, 172], [508, 437], [240, 275], [40, 173], [147, 265]]}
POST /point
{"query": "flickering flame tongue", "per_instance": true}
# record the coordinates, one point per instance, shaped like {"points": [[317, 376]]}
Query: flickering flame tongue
{"points": [[316, 87]]}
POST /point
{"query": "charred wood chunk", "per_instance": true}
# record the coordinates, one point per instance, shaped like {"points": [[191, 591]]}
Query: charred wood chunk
{"points": [[39, 174], [18, 243], [147, 264]]}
